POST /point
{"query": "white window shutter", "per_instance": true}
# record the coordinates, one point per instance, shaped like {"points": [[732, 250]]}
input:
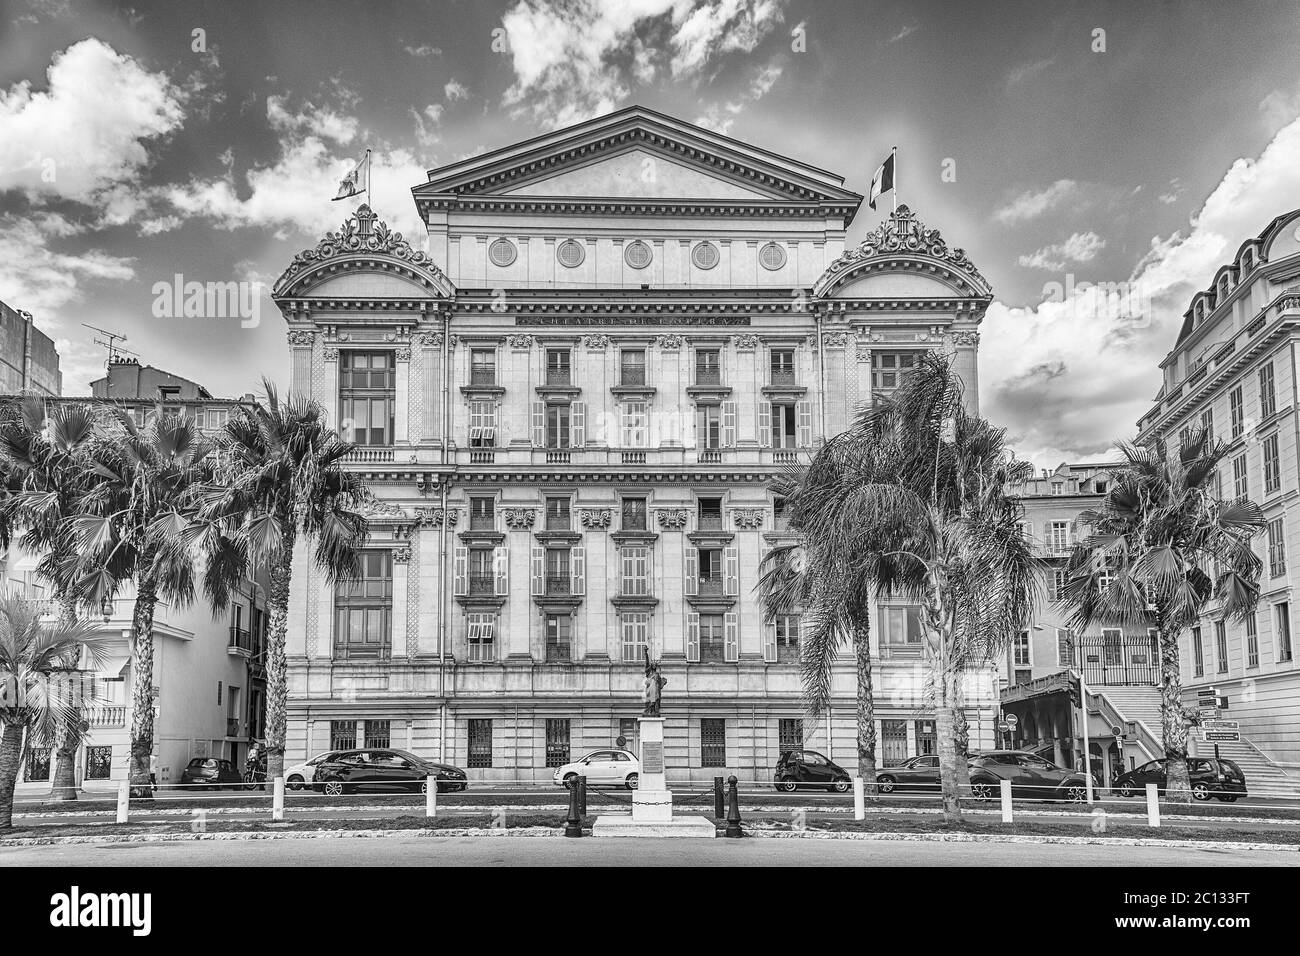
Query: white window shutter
{"points": [[731, 635], [731, 570], [578, 570], [692, 637], [805, 430], [693, 571], [501, 565], [461, 583], [539, 570], [765, 424], [769, 641], [539, 424], [578, 424], [728, 424]]}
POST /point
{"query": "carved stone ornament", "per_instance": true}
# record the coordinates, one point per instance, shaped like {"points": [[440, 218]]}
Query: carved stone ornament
{"points": [[902, 232], [433, 517], [402, 355], [428, 339], [521, 341], [595, 343], [748, 517], [596, 518], [364, 232], [746, 342], [519, 519], [402, 555], [302, 337], [670, 342], [375, 508], [835, 340], [330, 355], [673, 519], [966, 338]]}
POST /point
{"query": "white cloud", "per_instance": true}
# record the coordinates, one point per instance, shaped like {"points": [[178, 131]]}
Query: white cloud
{"points": [[721, 117], [455, 90], [89, 128], [1080, 247], [1069, 376], [1031, 204], [1022, 73], [42, 279], [1279, 108], [720, 27], [310, 120], [1174, 193], [907, 31], [423, 50]]}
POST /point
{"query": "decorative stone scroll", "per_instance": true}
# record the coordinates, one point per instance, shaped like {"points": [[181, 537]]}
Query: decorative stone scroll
{"points": [[596, 519], [673, 519], [745, 343], [595, 343], [434, 517], [521, 341], [670, 342], [428, 339], [302, 337], [364, 232], [747, 518], [835, 340], [519, 519]]}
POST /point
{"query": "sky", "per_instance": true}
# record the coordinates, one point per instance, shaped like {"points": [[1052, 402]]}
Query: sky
{"points": [[1060, 144]]}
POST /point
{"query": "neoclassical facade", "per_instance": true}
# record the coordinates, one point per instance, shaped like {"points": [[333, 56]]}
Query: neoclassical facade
{"points": [[569, 405]]}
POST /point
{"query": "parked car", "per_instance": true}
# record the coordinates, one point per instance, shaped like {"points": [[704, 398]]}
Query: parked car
{"points": [[1210, 777], [210, 772], [301, 774], [808, 768], [1030, 776], [602, 768], [350, 770], [915, 773]]}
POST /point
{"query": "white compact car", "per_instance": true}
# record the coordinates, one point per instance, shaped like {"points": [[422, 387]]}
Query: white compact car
{"points": [[603, 768], [301, 774]]}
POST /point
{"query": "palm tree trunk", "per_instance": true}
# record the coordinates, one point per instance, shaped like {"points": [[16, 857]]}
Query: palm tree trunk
{"points": [[1173, 719], [961, 732], [69, 734], [11, 755], [142, 678], [866, 705], [277, 666], [947, 745]]}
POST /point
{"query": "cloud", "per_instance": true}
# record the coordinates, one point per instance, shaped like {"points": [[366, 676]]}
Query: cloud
{"points": [[455, 90], [423, 50], [1022, 73], [907, 31], [1080, 247], [1279, 108], [1073, 373], [320, 121], [42, 279], [89, 129], [721, 117], [1174, 193], [1030, 204]]}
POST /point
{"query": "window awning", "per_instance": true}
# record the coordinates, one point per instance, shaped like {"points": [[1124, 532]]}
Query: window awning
{"points": [[111, 664]]}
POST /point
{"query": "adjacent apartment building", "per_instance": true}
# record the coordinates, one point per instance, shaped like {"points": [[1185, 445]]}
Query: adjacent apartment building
{"points": [[1233, 370], [29, 362], [569, 409]]}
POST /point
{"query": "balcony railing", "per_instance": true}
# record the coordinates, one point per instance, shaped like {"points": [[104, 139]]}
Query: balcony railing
{"points": [[558, 652], [558, 584], [232, 726], [633, 458], [362, 652], [482, 585], [1129, 660], [369, 456], [240, 639], [711, 455], [111, 715], [712, 651], [787, 653], [900, 651], [479, 521], [783, 376], [634, 521], [478, 456], [483, 376], [708, 375], [633, 375], [709, 521], [559, 376], [559, 520], [711, 585], [557, 456]]}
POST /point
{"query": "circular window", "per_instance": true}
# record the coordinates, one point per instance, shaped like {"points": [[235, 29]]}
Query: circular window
{"points": [[570, 253], [502, 252], [637, 255], [772, 256], [705, 255]]}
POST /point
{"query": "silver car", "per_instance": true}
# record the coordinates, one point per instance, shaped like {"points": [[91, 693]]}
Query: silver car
{"points": [[602, 768]]}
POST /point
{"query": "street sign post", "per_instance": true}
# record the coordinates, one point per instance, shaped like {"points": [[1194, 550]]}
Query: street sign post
{"points": [[1222, 736], [1012, 719]]}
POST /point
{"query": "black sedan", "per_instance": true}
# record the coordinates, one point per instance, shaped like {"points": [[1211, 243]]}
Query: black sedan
{"points": [[210, 772], [808, 768], [1221, 779], [1030, 776], [351, 770], [915, 773]]}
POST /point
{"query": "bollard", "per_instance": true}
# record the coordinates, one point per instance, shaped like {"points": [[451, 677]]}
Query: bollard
{"points": [[430, 797], [733, 810], [582, 794], [1006, 800], [859, 799], [573, 825], [124, 802], [1153, 805], [277, 799], [719, 800]]}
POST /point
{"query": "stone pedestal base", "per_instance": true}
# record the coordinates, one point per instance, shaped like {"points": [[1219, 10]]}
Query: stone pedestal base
{"points": [[625, 825], [652, 806]]}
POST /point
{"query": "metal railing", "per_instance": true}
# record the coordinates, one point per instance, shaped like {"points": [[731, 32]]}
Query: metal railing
{"points": [[483, 376], [479, 584], [709, 521], [240, 639], [558, 652], [708, 375], [559, 584], [632, 375], [1128, 660], [232, 726]]}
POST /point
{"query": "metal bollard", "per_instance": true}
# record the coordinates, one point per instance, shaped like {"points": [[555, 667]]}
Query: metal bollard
{"points": [[277, 799], [1005, 786], [573, 825], [582, 794], [859, 799], [1153, 805], [430, 797], [719, 799], [733, 810], [124, 801]]}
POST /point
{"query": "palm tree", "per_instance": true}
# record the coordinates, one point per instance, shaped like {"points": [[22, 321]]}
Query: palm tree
{"points": [[1162, 546], [33, 656], [281, 478]]}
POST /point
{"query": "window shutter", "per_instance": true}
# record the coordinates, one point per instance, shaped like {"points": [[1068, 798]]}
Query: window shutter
{"points": [[765, 424], [731, 635], [693, 571], [501, 563], [539, 570], [578, 424], [692, 637], [461, 582], [539, 424], [577, 570], [728, 424], [805, 430], [769, 641], [731, 570]]}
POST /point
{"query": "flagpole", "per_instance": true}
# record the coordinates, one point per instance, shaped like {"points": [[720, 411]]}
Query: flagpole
{"points": [[895, 158], [368, 176]]}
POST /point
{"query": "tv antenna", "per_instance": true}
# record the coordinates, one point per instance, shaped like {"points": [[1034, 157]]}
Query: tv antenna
{"points": [[110, 343]]}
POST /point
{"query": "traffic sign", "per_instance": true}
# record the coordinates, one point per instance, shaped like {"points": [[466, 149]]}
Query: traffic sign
{"points": [[1207, 692], [1222, 736], [1207, 713], [1220, 725], [1004, 727], [1012, 719]]}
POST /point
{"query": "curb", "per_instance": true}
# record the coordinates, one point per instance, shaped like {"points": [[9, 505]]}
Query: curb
{"points": [[271, 835], [1011, 838]]}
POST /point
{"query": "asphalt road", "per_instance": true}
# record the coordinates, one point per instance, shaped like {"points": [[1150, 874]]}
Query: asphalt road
{"points": [[591, 851]]}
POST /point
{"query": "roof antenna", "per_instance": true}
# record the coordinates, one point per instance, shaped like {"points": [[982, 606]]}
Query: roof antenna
{"points": [[111, 343]]}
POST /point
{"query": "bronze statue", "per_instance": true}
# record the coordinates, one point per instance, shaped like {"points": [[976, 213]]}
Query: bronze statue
{"points": [[652, 687]]}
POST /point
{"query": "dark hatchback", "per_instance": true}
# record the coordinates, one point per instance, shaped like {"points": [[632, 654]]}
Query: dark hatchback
{"points": [[350, 770], [1030, 776], [1221, 779], [210, 772], [808, 768]]}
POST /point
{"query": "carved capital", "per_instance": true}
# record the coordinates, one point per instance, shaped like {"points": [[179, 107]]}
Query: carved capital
{"points": [[521, 341], [670, 342], [673, 519], [596, 518], [745, 343], [302, 337], [747, 518], [519, 519], [428, 339], [595, 343], [330, 355]]}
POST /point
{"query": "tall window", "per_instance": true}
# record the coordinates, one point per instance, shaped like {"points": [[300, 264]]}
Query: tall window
{"points": [[1064, 647], [634, 579], [378, 734], [482, 570], [1020, 649], [785, 432], [1252, 640], [483, 367], [1220, 647], [1282, 615], [559, 629], [782, 366], [557, 514], [900, 625], [887, 369], [1207, 424], [1237, 412], [635, 424], [367, 396], [343, 735], [480, 744], [1056, 585], [1240, 484], [1198, 654], [557, 741], [99, 762], [558, 579], [712, 647], [710, 514], [558, 368], [482, 514], [634, 514], [631, 367], [1267, 392], [482, 424], [787, 637], [707, 369], [557, 425], [482, 636], [634, 634], [1058, 536], [790, 734], [363, 609], [1276, 549], [713, 742], [708, 426], [1272, 465]]}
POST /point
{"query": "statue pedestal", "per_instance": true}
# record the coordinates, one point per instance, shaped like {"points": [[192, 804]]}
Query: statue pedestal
{"points": [[652, 801]]}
